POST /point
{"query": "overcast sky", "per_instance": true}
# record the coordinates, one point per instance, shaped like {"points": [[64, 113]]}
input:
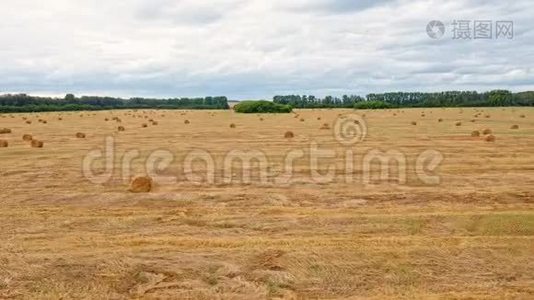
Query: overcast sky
{"points": [[258, 48]]}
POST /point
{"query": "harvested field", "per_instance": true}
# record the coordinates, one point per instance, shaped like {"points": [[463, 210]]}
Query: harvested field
{"points": [[470, 235]]}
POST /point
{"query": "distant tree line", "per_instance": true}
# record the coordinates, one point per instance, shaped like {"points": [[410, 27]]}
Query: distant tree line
{"points": [[305, 101], [26, 103], [261, 106], [413, 99]]}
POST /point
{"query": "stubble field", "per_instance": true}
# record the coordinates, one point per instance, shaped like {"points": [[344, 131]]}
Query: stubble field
{"points": [[470, 235]]}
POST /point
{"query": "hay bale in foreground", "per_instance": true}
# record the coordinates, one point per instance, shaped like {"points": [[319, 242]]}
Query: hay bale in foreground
{"points": [[289, 135], [4, 144], [37, 144], [141, 184]]}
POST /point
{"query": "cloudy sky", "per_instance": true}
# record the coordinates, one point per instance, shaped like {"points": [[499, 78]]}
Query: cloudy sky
{"points": [[258, 48]]}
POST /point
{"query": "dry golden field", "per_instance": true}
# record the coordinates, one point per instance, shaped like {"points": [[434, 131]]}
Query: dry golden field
{"points": [[470, 236]]}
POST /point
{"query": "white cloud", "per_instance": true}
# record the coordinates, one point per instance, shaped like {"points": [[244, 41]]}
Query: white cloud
{"points": [[256, 48]]}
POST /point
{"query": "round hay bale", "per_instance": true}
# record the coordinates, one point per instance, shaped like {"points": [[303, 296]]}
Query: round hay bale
{"points": [[475, 133], [60, 119], [414, 123], [458, 124], [325, 126], [187, 122], [27, 137], [4, 144], [490, 138], [473, 120], [37, 144], [440, 120], [121, 128], [261, 119], [80, 135], [5, 130], [487, 131], [232, 125], [302, 119], [155, 123], [318, 118], [106, 119], [487, 116], [289, 135], [141, 184], [28, 122], [144, 125], [522, 116], [514, 127]]}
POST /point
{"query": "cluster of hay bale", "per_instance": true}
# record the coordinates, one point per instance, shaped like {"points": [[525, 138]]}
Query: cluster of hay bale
{"points": [[121, 128], [5, 130], [488, 135]]}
